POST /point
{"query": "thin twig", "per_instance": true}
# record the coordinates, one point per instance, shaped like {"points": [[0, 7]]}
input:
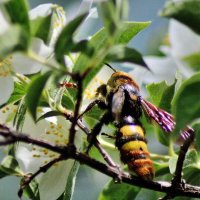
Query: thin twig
{"points": [[74, 120], [42, 169], [177, 181], [183, 150]]}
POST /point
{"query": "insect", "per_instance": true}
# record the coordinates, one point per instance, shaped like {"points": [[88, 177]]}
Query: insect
{"points": [[124, 107]]}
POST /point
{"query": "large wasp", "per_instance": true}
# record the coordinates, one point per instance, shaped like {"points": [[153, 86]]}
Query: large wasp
{"points": [[124, 106]]}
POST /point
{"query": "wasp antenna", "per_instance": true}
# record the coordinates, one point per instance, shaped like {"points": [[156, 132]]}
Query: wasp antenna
{"points": [[110, 67]]}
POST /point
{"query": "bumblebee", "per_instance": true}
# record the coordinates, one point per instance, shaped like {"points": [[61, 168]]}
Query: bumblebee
{"points": [[124, 107]]}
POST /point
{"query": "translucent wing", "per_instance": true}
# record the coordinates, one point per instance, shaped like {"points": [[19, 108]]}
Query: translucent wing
{"points": [[186, 134], [118, 103], [163, 118]]}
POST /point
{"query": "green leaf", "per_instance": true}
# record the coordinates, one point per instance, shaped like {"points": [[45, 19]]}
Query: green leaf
{"points": [[65, 41], [94, 113], [20, 115], [67, 101], [121, 53], [50, 114], [129, 30], [40, 27], [172, 164], [148, 194], [18, 12], [161, 95], [14, 39], [110, 16], [196, 127], [48, 27], [186, 104], [34, 92], [156, 91], [122, 191], [32, 190], [69, 189], [185, 11], [193, 60], [18, 93], [161, 168], [191, 158], [3, 173], [97, 42], [10, 166]]}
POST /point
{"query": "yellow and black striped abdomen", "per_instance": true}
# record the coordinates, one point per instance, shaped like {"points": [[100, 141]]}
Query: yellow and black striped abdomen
{"points": [[132, 145]]}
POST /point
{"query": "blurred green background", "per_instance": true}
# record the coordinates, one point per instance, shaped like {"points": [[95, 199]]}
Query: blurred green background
{"points": [[89, 182]]}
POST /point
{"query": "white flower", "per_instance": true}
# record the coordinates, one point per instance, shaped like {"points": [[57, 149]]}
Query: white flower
{"points": [[31, 157], [21, 63], [183, 42]]}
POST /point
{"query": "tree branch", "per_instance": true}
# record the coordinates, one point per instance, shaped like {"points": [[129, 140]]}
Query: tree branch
{"points": [[65, 152]]}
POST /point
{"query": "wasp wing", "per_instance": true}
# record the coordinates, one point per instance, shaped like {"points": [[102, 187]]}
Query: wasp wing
{"points": [[163, 118], [187, 134], [118, 103]]}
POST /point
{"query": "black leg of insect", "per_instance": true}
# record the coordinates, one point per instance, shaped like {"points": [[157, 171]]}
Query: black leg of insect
{"points": [[124, 107], [85, 129]]}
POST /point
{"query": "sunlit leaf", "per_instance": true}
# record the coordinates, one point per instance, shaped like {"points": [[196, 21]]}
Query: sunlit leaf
{"points": [[97, 42]]}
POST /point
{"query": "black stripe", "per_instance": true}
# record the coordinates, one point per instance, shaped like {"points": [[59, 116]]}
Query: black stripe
{"points": [[125, 158], [120, 141]]}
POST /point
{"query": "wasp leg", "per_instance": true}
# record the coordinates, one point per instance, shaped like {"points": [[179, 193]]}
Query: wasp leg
{"points": [[96, 130], [109, 136], [98, 102]]}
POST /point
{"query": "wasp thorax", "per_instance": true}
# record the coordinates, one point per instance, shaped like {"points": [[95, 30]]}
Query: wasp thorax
{"points": [[120, 78]]}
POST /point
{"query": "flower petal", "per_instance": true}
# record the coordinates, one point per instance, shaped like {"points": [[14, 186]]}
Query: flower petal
{"points": [[41, 11], [161, 68], [24, 65], [6, 88], [4, 23], [55, 180], [25, 157], [183, 40]]}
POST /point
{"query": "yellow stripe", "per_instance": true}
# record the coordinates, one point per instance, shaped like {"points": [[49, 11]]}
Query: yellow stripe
{"points": [[135, 145], [132, 130]]}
